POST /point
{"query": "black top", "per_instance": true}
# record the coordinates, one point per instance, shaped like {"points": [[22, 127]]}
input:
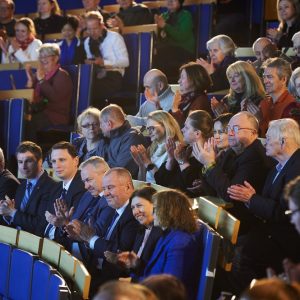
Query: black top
{"points": [[137, 14], [287, 34], [9, 27], [53, 24]]}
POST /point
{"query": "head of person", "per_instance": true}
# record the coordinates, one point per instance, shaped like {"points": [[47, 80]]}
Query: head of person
{"points": [[243, 79], [172, 210], [197, 127], [292, 195], [117, 187], [174, 5], [161, 125], [242, 131], [277, 73], [166, 287], [259, 47], [220, 131], [64, 160], [94, 24], [142, 205], [24, 29], [69, 28], [294, 83], [193, 77], [29, 158], [287, 10], [88, 123], [111, 117], [48, 7], [155, 83], [49, 54], [121, 290], [125, 4], [92, 172], [219, 47], [271, 289], [282, 138], [7, 9], [296, 43], [2, 160], [90, 5]]}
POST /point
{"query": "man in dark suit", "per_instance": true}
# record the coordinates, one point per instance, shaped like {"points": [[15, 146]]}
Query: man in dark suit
{"points": [[28, 208], [120, 235], [8, 182], [274, 238], [66, 196]]}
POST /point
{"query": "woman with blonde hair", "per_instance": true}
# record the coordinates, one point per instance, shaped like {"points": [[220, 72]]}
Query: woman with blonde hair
{"points": [[294, 84], [161, 127]]}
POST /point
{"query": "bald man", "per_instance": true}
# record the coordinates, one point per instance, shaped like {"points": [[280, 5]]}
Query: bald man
{"points": [[158, 94]]}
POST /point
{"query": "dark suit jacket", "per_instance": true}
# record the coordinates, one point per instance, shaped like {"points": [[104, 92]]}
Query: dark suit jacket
{"points": [[8, 184], [34, 213], [122, 238], [176, 253], [251, 165], [270, 207]]}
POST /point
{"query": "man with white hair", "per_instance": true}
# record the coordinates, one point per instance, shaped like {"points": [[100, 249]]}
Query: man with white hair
{"points": [[296, 47], [273, 238], [8, 182]]}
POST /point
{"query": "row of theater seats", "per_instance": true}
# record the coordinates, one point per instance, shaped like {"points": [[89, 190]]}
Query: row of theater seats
{"points": [[28, 269]]}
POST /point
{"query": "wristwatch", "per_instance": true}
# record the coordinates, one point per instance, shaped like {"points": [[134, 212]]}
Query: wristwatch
{"points": [[180, 161], [150, 167]]}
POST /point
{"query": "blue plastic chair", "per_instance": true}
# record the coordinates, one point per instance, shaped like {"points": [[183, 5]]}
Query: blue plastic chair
{"points": [[5, 254], [9, 78], [57, 288]]}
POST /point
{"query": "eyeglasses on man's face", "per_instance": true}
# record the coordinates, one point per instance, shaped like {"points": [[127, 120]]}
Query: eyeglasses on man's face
{"points": [[237, 128]]}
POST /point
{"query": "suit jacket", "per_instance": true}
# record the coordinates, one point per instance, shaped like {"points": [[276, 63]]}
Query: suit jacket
{"points": [[8, 184], [177, 253], [34, 214], [122, 238], [251, 165]]}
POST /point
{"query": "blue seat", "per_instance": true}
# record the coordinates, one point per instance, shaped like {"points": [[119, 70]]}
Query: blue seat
{"points": [[4, 113], [25, 7], [20, 275], [40, 280], [63, 4], [57, 288], [209, 244], [5, 254], [146, 39], [9, 78]]}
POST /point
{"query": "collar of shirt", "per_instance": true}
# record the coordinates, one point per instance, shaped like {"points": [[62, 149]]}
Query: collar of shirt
{"points": [[34, 181], [121, 209], [67, 184]]}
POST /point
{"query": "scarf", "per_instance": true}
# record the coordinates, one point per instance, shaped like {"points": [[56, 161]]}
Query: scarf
{"points": [[94, 45], [188, 98], [68, 52], [24, 44]]}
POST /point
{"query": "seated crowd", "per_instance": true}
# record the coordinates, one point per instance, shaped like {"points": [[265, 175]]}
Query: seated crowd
{"points": [[243, 147]]}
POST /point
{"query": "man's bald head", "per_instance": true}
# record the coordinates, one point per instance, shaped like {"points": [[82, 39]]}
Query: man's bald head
{"points": [[155, 81], [259, 45]]}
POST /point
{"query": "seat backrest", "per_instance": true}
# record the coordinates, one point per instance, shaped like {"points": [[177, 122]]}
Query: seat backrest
{"points": [[208, 212], [63, 4], [51, 252], [20, 275], [58, 289], [11, 79], [146, 41], [82, 280], [8, 235], [30, 242], [4, 112], [40, 280], [25, 7], [5, 255], [67, 264]]}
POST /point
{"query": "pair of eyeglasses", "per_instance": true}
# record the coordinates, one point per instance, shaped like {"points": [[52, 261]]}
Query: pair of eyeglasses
{"points": [[237, 128], [219, 132], [90, 125], [291, 212], [151, 128]]}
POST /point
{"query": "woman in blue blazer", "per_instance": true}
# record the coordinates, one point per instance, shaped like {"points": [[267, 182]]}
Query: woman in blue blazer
{"points": [[177, 251]]}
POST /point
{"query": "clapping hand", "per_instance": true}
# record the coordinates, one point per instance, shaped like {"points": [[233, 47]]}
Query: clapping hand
{"points": [[240, 192], [218, 107], [140, 155], [80, 230], [205, 154], [182, 153], [209, 67]]}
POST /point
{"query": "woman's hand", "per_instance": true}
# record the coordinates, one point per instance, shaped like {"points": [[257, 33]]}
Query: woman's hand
{"points": [[3, 45], [218, 107], [140, 155], [209, 67], [15, 44], [182, 153], [176, 101], [29, 75], [160, 21]]}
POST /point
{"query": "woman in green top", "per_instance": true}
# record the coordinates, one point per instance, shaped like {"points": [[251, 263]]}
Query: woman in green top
{"points": [[176, 41]]}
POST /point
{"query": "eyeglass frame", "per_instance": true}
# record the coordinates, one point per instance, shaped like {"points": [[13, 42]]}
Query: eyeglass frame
{"points": [[90, 125], [237, 128], [152, 128]]}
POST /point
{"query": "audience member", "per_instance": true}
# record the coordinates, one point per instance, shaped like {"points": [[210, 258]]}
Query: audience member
{"points": [[221, 50], [176, 41], [146, 238], [276, 237], [49, 19], [7, 20], [23, 47], [27, 210], [118, 137], [88, 126], [130, 14], [281, 103], [71, 48], [296, 47], [158, 94], [161, 127], [93, 5], [8, 182], [120, 235], [51, 106], [181, 169], [177, 251], [166, 287], [289, 17], [294, 84], [194, 82], [69, 191], [107, 51]]}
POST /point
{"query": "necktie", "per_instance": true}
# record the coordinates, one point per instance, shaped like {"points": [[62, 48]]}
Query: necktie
{"points": [[26, 196], [63, 194], [111, 226]]}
